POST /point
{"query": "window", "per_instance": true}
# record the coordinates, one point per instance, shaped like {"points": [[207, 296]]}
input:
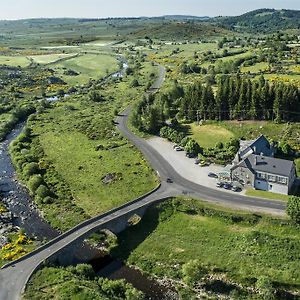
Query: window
{"points": [[261, 175], [272, 178], [282, 180]]}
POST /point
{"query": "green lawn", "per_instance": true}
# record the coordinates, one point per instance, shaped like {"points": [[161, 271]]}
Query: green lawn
{"points": [[14, 61], [89, 66], [209, 135], [231, 245], [267, 195]]}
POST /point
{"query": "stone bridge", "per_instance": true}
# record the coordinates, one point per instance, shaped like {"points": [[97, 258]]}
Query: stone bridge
{"points": [[64, 248]]}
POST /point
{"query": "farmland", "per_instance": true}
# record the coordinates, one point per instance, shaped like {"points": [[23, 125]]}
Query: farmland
{"points": [[88, 66]]}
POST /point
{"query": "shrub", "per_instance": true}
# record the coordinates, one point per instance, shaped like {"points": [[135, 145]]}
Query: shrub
{"points": [[192, 147], [184, 141], [293, 209], [34, 182], [30, 169], [134, 83], [84, 271], [42, 191]]}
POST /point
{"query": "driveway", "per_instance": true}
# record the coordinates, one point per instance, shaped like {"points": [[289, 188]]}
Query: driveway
{"points": [[185, 166]]}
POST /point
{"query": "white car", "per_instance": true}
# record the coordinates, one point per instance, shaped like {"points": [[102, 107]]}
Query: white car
{"points": [[178, 149]]}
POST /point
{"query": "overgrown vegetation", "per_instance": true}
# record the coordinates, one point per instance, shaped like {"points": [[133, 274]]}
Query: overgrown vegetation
{"points": [[216, 250], [19, 244], [74, 161], [79, 282]]}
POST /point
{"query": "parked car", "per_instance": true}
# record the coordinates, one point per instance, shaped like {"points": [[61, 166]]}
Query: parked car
{"points": [[178, 149], [236, 189], [197, 161], [219, 184], [190, 155], [227, 186], [213, 175], [169, 180]]}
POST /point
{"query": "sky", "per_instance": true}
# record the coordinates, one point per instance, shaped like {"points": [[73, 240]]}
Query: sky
{"points": [[22, 9]]}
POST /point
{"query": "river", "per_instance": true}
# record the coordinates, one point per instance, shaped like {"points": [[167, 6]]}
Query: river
{"points": [[16, 196]]}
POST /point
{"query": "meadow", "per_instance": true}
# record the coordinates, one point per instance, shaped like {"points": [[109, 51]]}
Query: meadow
{"points": [[87, 66], [87, 159], [233, 247], [14, 61], [50, 58]]}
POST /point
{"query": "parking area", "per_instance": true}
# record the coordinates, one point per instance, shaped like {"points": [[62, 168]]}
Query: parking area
{"points": [[185, 166]]}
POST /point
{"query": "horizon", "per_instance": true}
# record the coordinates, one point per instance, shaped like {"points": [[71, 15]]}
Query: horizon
{"points": [[92, 9]]}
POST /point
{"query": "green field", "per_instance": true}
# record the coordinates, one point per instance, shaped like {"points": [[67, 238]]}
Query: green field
{"points": [[80, 147], [76, 160], [88, 66], [208, 136], [14, 61], [259, 67], [231, 246], [49, 58]]}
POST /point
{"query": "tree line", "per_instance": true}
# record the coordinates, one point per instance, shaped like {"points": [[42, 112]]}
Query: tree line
{"points": [[235, 97]]}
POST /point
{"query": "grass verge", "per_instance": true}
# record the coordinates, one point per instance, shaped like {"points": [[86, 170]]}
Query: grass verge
{"points": [[266, 195]]}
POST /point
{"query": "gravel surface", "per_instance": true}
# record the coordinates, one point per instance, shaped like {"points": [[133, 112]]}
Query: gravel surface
{"points": [[186, 167]]}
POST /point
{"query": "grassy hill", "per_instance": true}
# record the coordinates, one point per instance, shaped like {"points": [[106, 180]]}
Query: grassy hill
{"points": [[176, 30], [263, 20]]}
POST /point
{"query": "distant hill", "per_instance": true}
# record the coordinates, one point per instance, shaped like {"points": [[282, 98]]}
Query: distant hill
{"points": [[180, 30], [262, 20], [183, 17]]}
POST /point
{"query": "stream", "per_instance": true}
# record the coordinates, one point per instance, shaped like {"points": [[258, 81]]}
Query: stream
{"points": [[16, 197]]}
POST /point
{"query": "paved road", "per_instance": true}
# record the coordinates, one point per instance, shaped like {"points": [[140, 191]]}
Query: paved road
{"points": [[14, 278]]}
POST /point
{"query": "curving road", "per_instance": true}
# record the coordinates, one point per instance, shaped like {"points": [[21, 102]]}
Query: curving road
{"points": [[182, 186], [14, 277]]}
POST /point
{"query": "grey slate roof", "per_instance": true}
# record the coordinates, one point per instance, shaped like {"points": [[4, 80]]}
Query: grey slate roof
{"points": [[270, 165]]}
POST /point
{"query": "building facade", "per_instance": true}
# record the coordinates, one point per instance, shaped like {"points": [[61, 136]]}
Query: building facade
{"points": [[255, 166]]}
